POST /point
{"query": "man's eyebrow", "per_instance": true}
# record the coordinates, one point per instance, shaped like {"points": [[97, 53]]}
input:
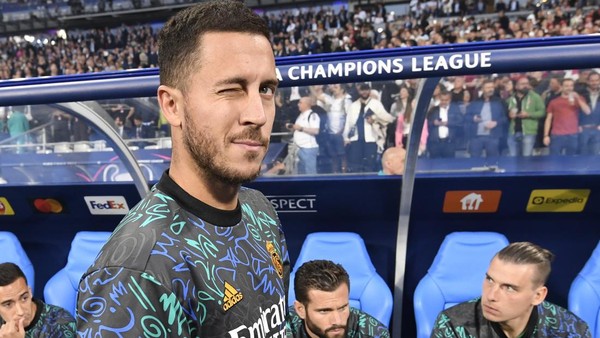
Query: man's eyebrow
{"points": [[503, 284], [272, 82], [324, 309], [233, 80]]}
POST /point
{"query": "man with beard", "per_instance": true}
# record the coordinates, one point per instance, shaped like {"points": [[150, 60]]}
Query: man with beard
{"points": [[322, 308], [512, 302], [201, 256], [525, 110], [365, 120]]}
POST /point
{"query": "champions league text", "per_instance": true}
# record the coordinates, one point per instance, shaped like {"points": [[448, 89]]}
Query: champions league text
{"points": [[415, 65]]}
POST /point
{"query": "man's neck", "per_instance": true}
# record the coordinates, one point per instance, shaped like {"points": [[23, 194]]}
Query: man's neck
{"points": [[515, 328], [206, 189]]}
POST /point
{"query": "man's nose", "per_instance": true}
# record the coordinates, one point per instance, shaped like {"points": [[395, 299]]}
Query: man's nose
{"points": [[492, 293], [255, 112], [20, 309], [337, 318]]}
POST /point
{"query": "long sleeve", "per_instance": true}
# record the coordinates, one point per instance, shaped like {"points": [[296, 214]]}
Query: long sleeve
{"points": [[117, 301]]}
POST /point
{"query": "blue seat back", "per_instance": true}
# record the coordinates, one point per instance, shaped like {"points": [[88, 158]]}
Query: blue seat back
{"points": [[11, 251], [61, 289], [456, 275], [368, 291], [584, 294]]}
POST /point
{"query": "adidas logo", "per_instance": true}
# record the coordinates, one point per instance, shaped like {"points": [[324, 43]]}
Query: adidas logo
{"points": [[232, 297]]}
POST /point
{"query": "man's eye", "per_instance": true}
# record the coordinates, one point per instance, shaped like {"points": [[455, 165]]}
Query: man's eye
{"points": [[267, 90]]}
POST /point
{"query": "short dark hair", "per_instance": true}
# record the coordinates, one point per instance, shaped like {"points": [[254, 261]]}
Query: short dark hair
{"points": [[179, 41], [529, 253], [322, 275], [9, 273]]}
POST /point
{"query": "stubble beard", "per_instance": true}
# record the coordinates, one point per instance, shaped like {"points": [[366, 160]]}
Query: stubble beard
{"points": [[209, 161]]}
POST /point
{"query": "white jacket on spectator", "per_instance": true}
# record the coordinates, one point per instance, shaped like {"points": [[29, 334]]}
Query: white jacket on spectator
{"points": [[380, 115]]}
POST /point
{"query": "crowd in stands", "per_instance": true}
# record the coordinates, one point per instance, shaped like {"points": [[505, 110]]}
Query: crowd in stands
{"points": [[295, 32], [327, 29]]}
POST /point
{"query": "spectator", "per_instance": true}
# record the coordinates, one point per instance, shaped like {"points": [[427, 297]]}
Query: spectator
{"points": [[525, 110], [322, 308], [123, 130], [561, 127], [61, 126], [403, 108], [21, 315], [512, 303], [18, 125], [362, 132], [589, 137], [486, 117], [444, 122], [305, 129], [340, 106]]}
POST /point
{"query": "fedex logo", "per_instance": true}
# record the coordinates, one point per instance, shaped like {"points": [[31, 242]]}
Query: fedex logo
{"points": [[107, 205]]}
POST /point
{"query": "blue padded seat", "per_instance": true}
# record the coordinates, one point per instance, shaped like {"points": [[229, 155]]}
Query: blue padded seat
{"points": [[13, 252], [368, 291], [456, 275], [62, 288], [584, 294]]}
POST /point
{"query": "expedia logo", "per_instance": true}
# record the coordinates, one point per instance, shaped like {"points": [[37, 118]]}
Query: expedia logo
{"points": [[232, 297], [277, 263], [558, 200], [539, 200]]}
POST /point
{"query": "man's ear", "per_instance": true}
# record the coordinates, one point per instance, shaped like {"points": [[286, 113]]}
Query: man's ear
{"points": [[540, 295], [171, 103], [300, 309]]}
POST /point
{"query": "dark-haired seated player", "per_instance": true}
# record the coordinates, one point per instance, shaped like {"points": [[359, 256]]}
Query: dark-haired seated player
{"points": [[21, 315], [512, 302], [322, 308]]}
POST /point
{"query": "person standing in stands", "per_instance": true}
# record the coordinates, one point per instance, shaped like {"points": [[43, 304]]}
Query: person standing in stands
{"points": [[322, 308], [525, 110], [487, 116], [445, 124], [512, 303], [360, 135], [340, 105], [305, 129], [561, 128], [589, 136], [21, 315], [201, 256]]}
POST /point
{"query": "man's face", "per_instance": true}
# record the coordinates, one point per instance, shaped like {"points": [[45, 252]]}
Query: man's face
{"points": [[567, 86], [364, 93], [229, 106], [16, 302], [554, 85], [303, 104], [594, 82], [488, 89], [522, 84], [445, 100], [326, 313], [509, 293]]}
